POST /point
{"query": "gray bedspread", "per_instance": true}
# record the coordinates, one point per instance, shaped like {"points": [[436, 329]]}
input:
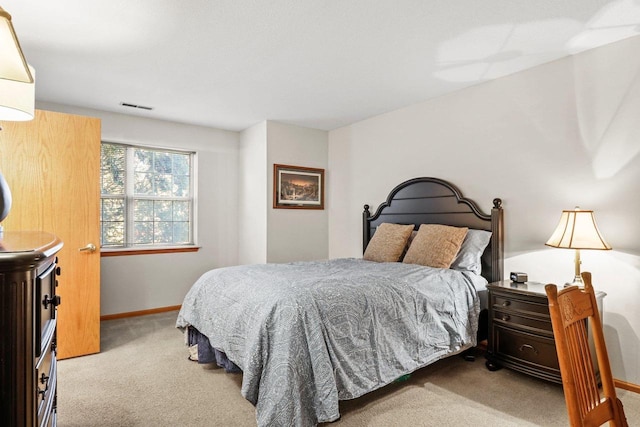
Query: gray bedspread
{"points": [[309, 334]]}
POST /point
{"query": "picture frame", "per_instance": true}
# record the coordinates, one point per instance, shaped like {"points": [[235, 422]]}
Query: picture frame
{"points": [[297, 187]]}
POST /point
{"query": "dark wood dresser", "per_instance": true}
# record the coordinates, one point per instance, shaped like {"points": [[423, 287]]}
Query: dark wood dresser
{"points": [[28, 301], [520, 331]]}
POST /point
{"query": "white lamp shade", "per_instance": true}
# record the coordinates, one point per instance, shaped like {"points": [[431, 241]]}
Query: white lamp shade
{"points": [[17, 99], [577, 229], [13, 66]]}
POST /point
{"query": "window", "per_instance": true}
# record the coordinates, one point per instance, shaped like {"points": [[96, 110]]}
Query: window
{"points": [[147, 197]]}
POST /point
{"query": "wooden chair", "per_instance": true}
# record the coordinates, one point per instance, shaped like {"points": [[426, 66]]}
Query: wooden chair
{"points": [[570, 309]]}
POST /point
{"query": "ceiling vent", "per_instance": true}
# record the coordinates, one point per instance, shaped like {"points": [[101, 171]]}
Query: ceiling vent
{"points": [[141, 107]]}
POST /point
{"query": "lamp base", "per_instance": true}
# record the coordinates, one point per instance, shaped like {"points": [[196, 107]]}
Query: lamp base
{"points": [[5, 198], [577, 281]]}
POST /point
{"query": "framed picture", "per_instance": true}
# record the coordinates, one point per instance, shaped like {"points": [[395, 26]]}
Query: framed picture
{"points": [[296, 187]]}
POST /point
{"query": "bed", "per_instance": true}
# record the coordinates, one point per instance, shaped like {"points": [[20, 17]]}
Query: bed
{"points": [[308, 334]]}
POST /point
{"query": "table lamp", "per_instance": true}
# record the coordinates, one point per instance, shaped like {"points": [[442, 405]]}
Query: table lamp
{"points": [[577, 230], [17, 92]]}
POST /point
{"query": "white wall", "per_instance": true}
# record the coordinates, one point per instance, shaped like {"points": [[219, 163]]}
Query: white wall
{"points": [[296, 234], [253, 195], [140, 282], [279, 235], [559, 135]]}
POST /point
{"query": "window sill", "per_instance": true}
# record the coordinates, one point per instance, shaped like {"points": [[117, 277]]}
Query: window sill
{"points": [[147, 251]]}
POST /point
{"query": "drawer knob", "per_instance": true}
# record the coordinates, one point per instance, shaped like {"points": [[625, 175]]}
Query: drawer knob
{"points": [[54, 301], [524, 347], [506, 303], [506, 317]]}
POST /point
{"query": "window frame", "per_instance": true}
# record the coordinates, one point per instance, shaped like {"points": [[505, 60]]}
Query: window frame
{"points": [[141, 249]]}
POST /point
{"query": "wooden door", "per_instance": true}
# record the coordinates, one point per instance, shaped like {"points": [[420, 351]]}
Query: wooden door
{"points": [[52, 165]]}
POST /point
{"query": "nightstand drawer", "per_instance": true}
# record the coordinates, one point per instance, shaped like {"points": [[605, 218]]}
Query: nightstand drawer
{"points": [[518, 320], [526, 306], [524, 349]]}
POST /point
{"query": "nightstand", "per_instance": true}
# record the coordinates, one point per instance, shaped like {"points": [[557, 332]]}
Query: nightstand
{"points": [[520, 331]]}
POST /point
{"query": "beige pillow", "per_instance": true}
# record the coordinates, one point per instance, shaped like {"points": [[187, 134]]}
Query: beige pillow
{"points": [[435, 245], [388, 242]]}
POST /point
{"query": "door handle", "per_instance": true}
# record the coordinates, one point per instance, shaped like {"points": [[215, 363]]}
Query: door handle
{"points": [[89, 248]]}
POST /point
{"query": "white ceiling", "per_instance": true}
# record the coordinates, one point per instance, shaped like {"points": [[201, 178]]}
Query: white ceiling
{"points": [[317, 63]]}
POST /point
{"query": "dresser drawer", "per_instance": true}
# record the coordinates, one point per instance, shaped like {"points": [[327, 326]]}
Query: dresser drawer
{"points": [[46, 383], [46, 301], [519, 320]]}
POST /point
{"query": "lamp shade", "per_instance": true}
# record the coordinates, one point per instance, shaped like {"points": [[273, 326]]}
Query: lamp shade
{"points": [[577, 229], [17, 99], [13, 66]]}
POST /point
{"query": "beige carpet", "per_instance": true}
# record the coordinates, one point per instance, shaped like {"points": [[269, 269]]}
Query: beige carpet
{"points": [[142, 378]]}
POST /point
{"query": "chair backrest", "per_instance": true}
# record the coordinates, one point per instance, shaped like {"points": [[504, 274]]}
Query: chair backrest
{"points": [[574, 315]]}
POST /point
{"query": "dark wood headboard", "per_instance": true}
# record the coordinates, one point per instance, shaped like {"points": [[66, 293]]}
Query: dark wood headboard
{"points": [[434, 201]]}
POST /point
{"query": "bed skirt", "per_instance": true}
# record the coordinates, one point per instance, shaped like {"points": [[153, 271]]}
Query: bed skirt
{"points": [[205, 354]]}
